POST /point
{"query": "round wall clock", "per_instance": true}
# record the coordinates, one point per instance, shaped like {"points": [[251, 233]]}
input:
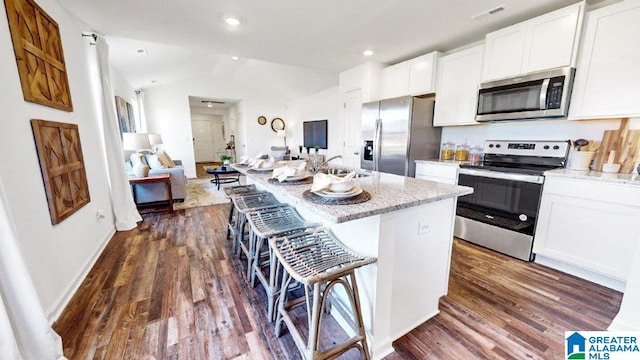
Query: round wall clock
{"points": [[277, 124], [262, 120]]}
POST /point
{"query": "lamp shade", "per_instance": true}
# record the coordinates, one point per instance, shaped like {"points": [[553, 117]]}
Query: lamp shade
{"points": [[135, 141], [155, 139]]}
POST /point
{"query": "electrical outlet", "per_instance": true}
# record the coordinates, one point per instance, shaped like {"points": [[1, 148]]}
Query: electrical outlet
{"points": [[423, 228], [100, 214]]}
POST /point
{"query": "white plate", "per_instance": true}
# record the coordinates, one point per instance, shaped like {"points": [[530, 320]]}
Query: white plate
{"points": [[263, 169], [335, 195], [297, 177]]}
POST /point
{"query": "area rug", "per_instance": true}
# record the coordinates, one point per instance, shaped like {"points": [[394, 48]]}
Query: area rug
{"points": [[201, 192]]}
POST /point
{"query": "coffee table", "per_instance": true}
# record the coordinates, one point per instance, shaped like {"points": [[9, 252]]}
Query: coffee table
{"points": [[229, 175]]}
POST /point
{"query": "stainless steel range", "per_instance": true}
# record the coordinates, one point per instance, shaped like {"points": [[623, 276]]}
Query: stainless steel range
{"points": [[502, 211]]}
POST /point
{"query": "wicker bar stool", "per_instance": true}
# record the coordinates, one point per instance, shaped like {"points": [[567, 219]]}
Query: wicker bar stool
{"points": [[318, 261], [245, 204], [265, 224], [229, 193]]}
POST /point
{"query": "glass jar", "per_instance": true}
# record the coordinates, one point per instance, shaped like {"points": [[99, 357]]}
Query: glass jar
{"points": [[461, 152], [475, 155], [447, 151]]}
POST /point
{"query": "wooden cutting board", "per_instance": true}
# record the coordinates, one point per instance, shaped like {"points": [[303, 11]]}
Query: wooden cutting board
{"points": [[626, 144]]}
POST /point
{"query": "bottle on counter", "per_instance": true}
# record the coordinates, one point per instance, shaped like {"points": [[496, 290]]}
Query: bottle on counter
{"points": [[447, 151], [462, 151]]}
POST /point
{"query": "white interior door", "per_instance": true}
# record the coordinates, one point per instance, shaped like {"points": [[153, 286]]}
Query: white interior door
{"points": [[352, 128], [203, 140]]}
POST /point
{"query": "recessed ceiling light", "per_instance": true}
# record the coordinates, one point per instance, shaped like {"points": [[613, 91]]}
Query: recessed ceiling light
{"points": [[235, 58], [367, 52], [231, 20], [141, 51], [153, 81], [209, 105]]}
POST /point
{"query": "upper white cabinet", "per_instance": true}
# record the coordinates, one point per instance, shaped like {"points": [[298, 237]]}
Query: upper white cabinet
{"points": [[422, 73], [607, 82], [543, 42], [411, 77], [395, 81], [457, 81]]}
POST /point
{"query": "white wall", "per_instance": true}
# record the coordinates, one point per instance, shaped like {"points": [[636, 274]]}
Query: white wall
{"points": [[531, 130], [319, 106], [167, 113], [57, 256], [121, 87]]}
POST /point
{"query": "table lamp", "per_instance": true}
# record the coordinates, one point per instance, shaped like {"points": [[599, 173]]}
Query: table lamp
{"points": [[282, 134], [155, 140]]}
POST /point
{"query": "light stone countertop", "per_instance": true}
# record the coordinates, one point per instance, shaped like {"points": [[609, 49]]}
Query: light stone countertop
{"points": [[444, 162], [388, 193], [628, 179]]}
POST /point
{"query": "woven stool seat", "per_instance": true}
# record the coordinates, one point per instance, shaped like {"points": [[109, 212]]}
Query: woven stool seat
{"points": [[230, 192], [239, 190], [264, 224], [245, 204], [319, 261]]}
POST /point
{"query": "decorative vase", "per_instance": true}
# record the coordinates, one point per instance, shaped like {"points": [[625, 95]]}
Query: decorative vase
{"points": [[226, 162]]}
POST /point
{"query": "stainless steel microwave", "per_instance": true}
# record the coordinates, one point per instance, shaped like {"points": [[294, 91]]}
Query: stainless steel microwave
{"points": [[542, 94]]}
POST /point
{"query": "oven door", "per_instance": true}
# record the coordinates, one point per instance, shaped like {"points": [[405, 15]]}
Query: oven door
{"points": [[505, 200]]}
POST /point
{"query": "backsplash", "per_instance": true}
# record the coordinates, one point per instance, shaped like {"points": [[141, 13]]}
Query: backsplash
{"points": [[532, 130]]}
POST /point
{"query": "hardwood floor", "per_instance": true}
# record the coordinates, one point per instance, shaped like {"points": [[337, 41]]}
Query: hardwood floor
{"points": [[201, 173], [170, 290]]}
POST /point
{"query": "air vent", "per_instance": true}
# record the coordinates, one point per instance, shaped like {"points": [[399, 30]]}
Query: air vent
{"points": [[212, 102], [494, 11]]}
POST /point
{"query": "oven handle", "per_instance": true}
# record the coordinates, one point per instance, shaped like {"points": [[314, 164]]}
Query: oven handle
{"points": [[535, 179]]}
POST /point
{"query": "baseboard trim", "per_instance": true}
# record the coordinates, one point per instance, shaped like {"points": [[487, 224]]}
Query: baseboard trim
{"points": [[54, 312]]}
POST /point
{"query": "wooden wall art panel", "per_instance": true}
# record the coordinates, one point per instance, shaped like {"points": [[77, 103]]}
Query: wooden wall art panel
{"points": [[38, 50], [62, 166]]}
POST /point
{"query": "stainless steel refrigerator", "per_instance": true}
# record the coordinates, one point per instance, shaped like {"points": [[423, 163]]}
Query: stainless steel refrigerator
{"points": [[396, 132]]}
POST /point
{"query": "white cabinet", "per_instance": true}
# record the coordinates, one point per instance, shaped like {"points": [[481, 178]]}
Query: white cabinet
{"points": [[411, 77], [589, 229], [422, 73], [438, 172], [544, 42], [458, 77], [395, 81], [607, 82]]}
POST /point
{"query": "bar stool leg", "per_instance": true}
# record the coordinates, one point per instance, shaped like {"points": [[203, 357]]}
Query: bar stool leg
{"points": [[364, 349], [284, 284], [314, 321], [230, 221]]}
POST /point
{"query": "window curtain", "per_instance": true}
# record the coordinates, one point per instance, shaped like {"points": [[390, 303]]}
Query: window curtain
{"points": [[124, 209], [24, 330], [141, 115]]}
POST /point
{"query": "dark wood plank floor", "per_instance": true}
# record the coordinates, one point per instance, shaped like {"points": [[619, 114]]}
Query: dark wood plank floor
{"points": [[170, 290]]}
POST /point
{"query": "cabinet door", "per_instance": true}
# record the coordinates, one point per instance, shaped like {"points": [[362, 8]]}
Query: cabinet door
{"points": [[395, 81], [504, 52], [550, 39], [590, 234], [607, 80], [421, 74], [457, 83]]}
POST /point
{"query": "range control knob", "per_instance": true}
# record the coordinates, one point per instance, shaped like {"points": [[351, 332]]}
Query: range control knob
{"points": [[546, 147], [490, 145], [556, 147], [498, 146]]}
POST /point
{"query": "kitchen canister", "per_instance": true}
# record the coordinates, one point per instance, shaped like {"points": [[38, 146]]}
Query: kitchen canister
{"points": [[461, 152], [447, 151], [580, 160]]}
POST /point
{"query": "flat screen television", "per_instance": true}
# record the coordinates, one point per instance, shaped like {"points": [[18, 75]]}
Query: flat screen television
{"points": [[315, 133]]}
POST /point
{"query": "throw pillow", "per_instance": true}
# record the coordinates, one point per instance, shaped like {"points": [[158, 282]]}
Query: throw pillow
{"points": [[137, 158], [166, 160], [154, 162]]}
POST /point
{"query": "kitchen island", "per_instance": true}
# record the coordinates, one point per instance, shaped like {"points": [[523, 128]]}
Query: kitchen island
{"points": [[408, 225]]}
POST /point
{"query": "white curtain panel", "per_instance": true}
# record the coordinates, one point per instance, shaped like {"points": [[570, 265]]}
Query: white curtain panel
{"points": [[24, 330], [141, 115], [124, 209]]}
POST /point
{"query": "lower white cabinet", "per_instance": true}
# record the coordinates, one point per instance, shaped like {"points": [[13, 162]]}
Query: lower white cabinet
{"points": [[589, 229], [433, 171]]}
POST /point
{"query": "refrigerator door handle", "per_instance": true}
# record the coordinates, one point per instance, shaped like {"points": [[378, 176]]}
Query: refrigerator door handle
{"points": [[376, 144]]}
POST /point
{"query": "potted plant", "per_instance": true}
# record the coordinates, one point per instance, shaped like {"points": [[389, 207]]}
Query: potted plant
{"points": [[226, 159], [316, 149], [300, 149]]}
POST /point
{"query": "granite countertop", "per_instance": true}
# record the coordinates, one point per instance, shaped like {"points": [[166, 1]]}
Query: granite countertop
{"points": [[388, 193], [444, 162], [629, 179]]}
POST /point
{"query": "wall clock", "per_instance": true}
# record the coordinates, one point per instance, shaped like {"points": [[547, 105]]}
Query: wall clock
{"points": [[262, 120], [277, 124]]}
